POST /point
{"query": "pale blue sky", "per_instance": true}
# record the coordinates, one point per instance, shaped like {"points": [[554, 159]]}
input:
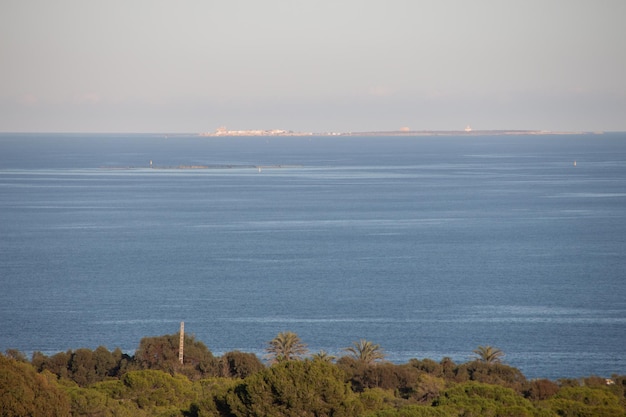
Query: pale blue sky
{"points": [[323, 65]]}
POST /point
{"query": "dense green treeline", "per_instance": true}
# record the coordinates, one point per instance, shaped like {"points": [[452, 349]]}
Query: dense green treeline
{"points": [[153, 382]]}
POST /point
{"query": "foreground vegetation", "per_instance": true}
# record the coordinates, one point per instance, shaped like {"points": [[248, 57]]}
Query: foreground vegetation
{"points": [[153, 382]]}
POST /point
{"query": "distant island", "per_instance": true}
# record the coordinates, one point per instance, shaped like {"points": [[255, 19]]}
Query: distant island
{"points": [[222, 131], [468, 131]]}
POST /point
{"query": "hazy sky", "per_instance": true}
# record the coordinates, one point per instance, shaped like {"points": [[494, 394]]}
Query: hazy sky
{"points": [[323, 65]]}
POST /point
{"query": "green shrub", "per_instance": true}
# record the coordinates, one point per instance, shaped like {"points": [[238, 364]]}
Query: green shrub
{"points": [[292, 388], [161, 353], [413, 411], [540, 389], [152, 388], [474, 399], [24, 392], [586, 402], [237, 364], [492, 373]]}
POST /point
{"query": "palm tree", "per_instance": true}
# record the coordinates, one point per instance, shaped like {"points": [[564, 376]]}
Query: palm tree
{"points": [[488, 354], [323, 356], [285, 346], [366, 351]]}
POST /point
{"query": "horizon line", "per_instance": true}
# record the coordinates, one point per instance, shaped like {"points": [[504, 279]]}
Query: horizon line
{"points": [[283, 132]]}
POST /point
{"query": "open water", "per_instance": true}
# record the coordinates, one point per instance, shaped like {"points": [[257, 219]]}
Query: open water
{"points": [[428, 246]]}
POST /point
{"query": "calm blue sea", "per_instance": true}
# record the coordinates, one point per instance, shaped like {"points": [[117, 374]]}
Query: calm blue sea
{"points": [[429, 246]]}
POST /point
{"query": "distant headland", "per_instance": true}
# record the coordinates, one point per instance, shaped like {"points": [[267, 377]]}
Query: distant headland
{"points": [[468, 131]]}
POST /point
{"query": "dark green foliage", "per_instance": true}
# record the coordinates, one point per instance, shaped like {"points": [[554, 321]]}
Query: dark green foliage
{"points": [[88, 402], [211, 394], [354, 371], [139, 393], [16, 355], [38, 360], [474, 399], [586, 402], [84, 366], [413, 411], [407, 381], [616, 384], [594, 381], [151, 388], [401, 378], [123, 363], [428, 366], [540, 389], [237, 364], [24, 392], [568, 382], [161, 353], [495, 373], [448, 368], [102, 383], [428, 388], [292, 388], [619, 385], [589, 395], [58, 363], [105, 363], [375, 399]]}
